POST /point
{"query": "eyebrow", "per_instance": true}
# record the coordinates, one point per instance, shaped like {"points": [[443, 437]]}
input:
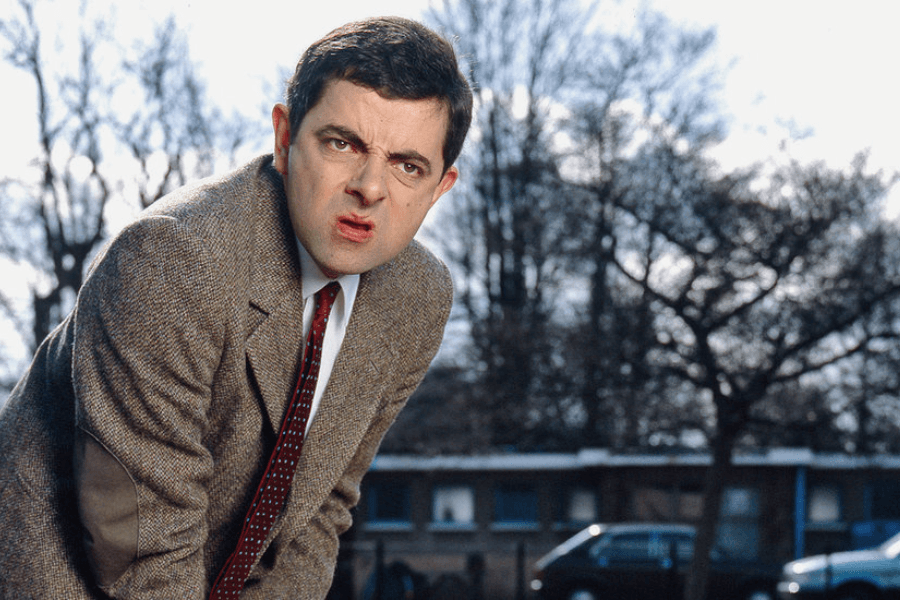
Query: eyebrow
{"points": [[353, 138]]}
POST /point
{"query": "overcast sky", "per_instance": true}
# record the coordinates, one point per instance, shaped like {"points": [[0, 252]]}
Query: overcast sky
{"points": [[825, 65], [828, 66]]}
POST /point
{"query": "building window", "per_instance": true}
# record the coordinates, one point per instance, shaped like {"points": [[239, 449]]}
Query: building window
{"points": [[516, 506], [453, 507], [388, 505], [885, 503], [741, 503], [577, 506], [667, 504], [824, 504], [652, 504], [738, 533]]}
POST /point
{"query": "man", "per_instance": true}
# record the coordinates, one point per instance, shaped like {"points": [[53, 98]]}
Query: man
{"points": [[136, 452]]}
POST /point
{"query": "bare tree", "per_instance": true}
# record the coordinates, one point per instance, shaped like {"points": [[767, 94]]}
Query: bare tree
{"points": [[696, 299], [563, 104], [87, 122], [177, 133], [509, 231], [652, 81], [68, 199], [754, 290], [854, 406]]}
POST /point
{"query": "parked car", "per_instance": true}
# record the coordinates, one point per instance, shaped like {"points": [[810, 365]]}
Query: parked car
{"points": [[643, 561], [859, 575]]}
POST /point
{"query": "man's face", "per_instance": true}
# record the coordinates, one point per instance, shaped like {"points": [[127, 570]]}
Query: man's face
{"points": [[361, 174]]}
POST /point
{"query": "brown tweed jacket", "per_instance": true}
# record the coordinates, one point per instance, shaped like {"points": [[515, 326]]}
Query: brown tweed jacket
{"points": [[131, 448]]}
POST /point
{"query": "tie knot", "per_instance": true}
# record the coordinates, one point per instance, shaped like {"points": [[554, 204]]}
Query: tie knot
{"points": [[325, 298]]}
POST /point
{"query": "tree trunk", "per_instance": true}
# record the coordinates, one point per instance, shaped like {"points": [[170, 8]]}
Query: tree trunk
{"points": [[713, 488]]}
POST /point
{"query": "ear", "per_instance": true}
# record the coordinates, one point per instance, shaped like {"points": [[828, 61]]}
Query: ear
{"points": [[281, 123], [445, 184]]}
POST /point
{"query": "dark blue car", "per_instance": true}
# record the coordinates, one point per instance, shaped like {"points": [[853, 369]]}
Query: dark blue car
{"points": [[643, 561]]}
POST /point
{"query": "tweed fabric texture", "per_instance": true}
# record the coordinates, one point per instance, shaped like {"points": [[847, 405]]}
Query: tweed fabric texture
{"points": [[131, 449], [276, 481]]}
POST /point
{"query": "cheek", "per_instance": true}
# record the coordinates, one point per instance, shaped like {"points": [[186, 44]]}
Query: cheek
{"points": [[309, 171], [326, 182], [409, 218], [310, 191]]}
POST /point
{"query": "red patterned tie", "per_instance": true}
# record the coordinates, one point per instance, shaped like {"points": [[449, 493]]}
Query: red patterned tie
{"points": [[276, 481]]}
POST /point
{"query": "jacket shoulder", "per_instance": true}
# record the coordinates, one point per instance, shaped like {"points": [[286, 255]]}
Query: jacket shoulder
{"points": [[227, 200], [222, 215], [413, 290], [420, 272]]}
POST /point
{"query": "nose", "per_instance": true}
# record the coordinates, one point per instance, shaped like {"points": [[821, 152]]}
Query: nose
{"points": [[368, 183]]}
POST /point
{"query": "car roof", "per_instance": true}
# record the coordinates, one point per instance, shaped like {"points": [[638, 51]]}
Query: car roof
{"points": [[598, 529], [648, 527]]}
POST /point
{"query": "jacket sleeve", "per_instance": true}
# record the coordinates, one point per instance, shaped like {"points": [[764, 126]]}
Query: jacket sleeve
{"points": [[147, 344]]}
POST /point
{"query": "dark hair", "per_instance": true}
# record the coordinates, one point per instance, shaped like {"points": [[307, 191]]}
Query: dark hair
{"points": [[396, 57]]}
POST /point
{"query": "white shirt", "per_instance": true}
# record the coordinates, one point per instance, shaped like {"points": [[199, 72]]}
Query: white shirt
{"points": [[312, 281]]}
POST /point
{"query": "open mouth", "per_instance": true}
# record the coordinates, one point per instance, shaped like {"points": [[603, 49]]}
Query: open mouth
{"points": [[355, 229]]}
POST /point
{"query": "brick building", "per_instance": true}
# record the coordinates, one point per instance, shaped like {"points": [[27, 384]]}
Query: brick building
{"points": [[434, 513]]}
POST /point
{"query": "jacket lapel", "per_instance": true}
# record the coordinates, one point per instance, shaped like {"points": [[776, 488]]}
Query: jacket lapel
{"points": [[276, 299], [350, 403]]}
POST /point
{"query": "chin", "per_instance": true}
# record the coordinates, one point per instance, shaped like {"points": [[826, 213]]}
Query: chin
{"points": [[334, 271]]}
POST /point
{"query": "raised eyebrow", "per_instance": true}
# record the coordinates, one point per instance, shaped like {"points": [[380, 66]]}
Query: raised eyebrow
{"points": [[411, 156], [347, 134]]}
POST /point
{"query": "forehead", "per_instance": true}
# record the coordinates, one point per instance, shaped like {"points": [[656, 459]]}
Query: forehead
{"points": [[378, 118]]}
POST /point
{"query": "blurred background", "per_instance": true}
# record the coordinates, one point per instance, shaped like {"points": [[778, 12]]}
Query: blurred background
{"points": [[675, 231]]}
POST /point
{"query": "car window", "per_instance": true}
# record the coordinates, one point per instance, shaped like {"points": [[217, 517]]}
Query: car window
{"points": [[643, 546], [682, 543], [623, 546]]}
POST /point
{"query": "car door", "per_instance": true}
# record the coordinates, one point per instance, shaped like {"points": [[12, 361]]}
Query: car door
{"points": [[635, 565], [679, 546]]}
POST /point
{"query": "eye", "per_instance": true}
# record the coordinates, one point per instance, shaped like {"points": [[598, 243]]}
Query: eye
{"points": [[339, 144], [410, 168]]}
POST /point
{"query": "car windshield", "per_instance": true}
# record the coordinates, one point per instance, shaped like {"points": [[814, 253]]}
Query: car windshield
{"points": [[570, 544]]}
